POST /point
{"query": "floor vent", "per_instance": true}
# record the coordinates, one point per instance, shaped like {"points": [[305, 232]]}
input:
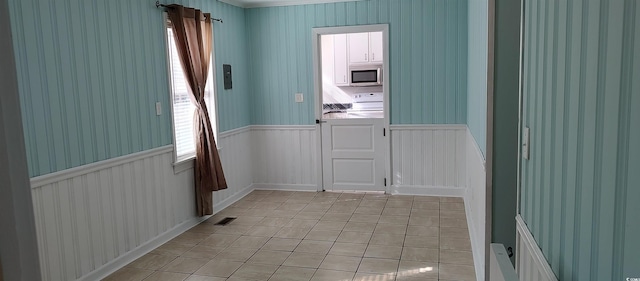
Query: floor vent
{"points": [[225, 221]]}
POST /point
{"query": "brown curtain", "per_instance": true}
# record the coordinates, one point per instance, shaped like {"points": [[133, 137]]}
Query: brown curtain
{"points": [[193, 35]]}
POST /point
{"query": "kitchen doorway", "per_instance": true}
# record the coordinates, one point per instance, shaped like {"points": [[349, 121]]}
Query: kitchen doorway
{"points": [[351, 94]]}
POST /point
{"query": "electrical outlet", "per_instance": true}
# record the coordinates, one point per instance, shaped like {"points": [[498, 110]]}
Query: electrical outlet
{"points": [[299, 97], [158, 108], [525, 143]]}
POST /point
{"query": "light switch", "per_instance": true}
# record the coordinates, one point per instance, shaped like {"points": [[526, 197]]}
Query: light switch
{"points": [[158, 108], [525, 143], [299, 97]]}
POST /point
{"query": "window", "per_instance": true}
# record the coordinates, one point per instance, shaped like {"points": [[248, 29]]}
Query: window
{"points": [[182, 106]]}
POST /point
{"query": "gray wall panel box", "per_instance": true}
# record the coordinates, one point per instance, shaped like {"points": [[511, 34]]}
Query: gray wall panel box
{"points": [[226, 68]]}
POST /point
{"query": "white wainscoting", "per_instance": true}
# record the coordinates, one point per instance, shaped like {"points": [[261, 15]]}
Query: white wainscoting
{"points": [[89, 217], [475, 202], [235, 155], [428, 159], [284, 157], [443, 160], [92, 220], [531, 265]]}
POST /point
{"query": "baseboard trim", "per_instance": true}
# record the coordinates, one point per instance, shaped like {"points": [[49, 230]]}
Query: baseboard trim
{"points": [[232, 199], [150, 245], [476, 228], [142, 250], [283, 127], [447, 191], [541, 263], [289, 187], [478, 258], [39, 181]]}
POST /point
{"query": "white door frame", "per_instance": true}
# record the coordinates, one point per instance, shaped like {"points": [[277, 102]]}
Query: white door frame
{"points": [[317, 80]]}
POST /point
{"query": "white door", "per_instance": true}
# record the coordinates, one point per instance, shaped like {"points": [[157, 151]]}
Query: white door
{"points": [[353, 156]]}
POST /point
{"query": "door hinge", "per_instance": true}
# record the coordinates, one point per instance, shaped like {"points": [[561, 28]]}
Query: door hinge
{"points": [[385, 181], [384, 132]]}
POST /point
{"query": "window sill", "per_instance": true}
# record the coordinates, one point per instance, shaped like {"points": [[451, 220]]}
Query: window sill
{"points": [[186, 164]]}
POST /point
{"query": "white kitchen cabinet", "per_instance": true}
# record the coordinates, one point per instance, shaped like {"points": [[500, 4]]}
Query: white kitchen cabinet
{"points": [[365, 47], [358, 47], [375, 47], [340, 64]]}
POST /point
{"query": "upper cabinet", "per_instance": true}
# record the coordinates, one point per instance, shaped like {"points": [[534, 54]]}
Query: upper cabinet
{"points": [[365, 47], [375, 47], [340, 69]]}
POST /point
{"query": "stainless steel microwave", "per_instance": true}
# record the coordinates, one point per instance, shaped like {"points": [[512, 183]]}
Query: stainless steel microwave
{"points": [[365, 75]]}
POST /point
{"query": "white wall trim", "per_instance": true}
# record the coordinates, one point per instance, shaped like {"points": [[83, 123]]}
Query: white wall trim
{"points": [[39, 181], [446, 191], [478, 259], [247, 4], [284, 156], [234, 132], [244, 148], [535, 260], [500, 265], [476, 214], [290, 187], [282, 127], [428, 156], [141, 250], [232, 199], [147, 247], [429, 127], [477, 148], [94, 219]]}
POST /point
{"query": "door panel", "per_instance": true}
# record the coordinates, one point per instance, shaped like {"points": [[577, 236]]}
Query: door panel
{"points": [[353, 154], [347, 138], [353, 171]]}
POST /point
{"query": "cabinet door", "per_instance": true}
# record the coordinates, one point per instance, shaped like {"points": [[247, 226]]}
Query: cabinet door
{"points": [[340, 77], [359, 47], [375, 47]]}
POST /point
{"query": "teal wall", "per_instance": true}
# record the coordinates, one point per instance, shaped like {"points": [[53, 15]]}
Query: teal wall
{"points": [[477, 72], [428, 58], [580, 189], [230, 48], [505, 122], [90, 73]]}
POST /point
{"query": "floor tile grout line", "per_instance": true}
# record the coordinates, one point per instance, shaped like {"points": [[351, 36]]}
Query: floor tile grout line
{"points": [[324, 213]]}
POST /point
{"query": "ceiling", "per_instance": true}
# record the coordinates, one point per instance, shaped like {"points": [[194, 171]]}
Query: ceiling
{"points": [[271, 3]]}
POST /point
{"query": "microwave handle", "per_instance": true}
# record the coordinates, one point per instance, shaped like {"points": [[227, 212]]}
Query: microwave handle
{"points": [[378, 79]]}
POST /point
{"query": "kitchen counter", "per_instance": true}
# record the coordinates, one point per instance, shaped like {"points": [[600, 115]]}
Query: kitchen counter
{"points": [[354, 114]]}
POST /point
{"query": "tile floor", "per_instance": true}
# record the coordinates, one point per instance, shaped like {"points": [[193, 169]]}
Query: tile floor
{"points": [[297, 236]]}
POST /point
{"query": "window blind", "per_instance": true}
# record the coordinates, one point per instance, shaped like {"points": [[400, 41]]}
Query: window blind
{"points": [[183, 109]]}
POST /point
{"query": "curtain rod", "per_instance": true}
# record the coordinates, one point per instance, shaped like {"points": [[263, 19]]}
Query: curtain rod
{"points": [[158, 5]]}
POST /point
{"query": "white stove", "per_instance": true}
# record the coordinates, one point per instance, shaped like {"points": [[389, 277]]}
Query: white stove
{"points": [[367, 101]]}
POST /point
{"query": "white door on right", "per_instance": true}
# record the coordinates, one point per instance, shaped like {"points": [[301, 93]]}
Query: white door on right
{"points": [[353, 154]]}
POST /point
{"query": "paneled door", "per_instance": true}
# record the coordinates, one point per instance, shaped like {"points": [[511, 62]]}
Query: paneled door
{"points": [[353, 155]]}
